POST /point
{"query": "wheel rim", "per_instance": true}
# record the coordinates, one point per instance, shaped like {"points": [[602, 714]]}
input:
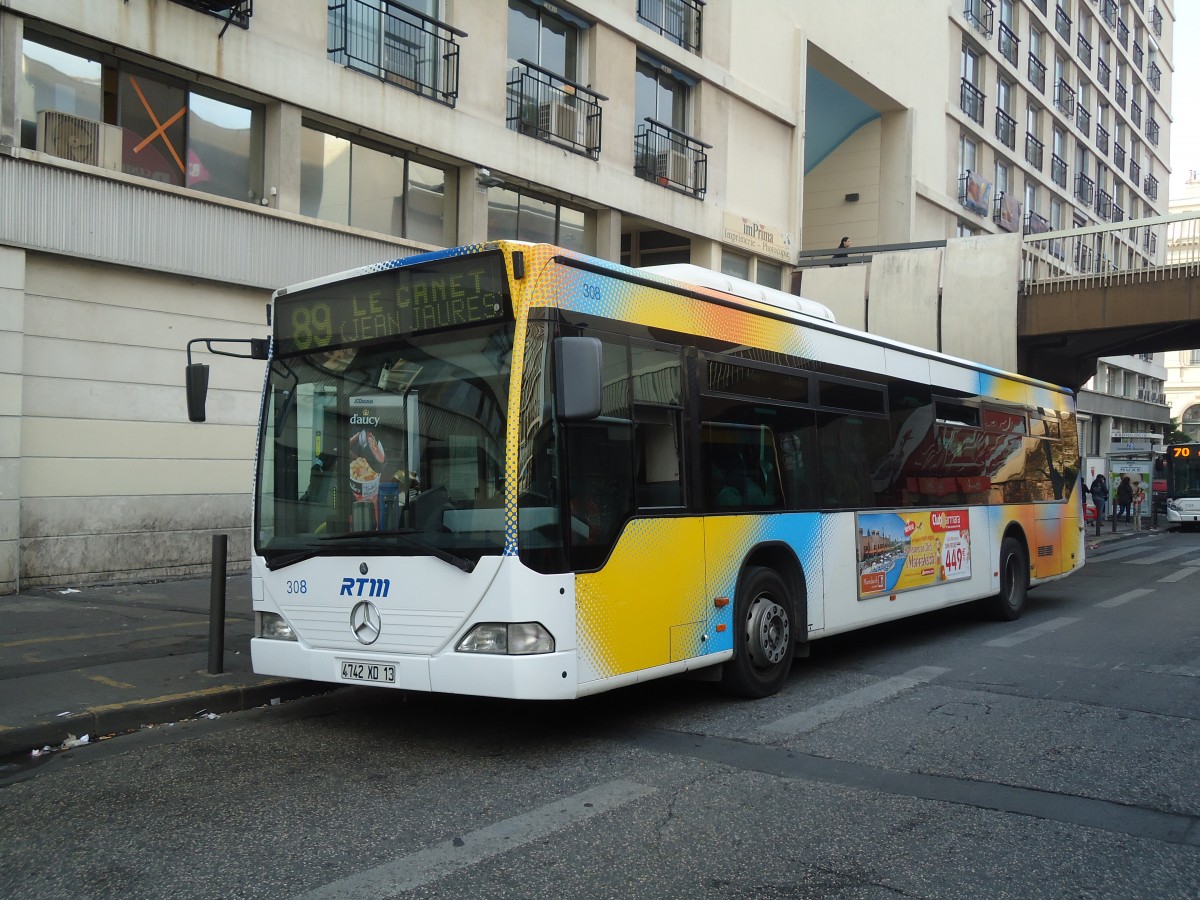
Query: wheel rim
{"points": [[1012, 572], [768, 632]]}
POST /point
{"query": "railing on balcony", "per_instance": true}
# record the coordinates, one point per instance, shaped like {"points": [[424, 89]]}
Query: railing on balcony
{"points": [[1135, 113], [398, 45], [1104, 204], [1108, 9], [1034, 150], [1119, 156], [1138, 55], [669, 157], [1118, 214], [231, 12], [980, 13], [1101, 139], [553, 109], [1064, 97], [679, 21], [1062, 24], [1006, 129], [1154, 76], [1084, 187], [1156, 20], [1010, 44], [1151, 187], [1083, 47], [1037, 73], [1058, 170], [971, 98], [1135, 171], [1122, 33], [1103, 72], [1084, 120], [1152, 131], [1120, 94]]}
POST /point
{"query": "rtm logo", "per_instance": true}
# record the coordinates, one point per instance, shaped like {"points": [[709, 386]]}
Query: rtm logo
{"points": [[366, 587]]}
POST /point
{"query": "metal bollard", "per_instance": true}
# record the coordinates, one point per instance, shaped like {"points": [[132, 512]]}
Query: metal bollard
{"points": [[216, 606]]}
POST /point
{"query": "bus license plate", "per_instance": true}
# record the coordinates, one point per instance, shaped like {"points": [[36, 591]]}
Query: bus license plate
{"points": [[380, 673]]}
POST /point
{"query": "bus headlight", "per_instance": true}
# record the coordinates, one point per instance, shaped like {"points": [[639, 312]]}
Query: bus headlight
{"points": [[271, 625], [512, 638], [1172, 504]]}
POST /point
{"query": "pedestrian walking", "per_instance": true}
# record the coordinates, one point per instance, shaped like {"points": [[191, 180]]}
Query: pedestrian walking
{"points": [[1100, 496], [1125, 499]]}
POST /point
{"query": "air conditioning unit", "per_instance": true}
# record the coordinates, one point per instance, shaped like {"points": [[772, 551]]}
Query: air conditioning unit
{"points": [[674, 167], [559, 120], [78, 139]]}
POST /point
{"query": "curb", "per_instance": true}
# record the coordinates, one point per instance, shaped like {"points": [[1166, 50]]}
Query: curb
{"points": [[115, 719]]}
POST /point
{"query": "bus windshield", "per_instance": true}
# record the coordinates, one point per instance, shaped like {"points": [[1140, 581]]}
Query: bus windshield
{"points": [[1184, 471], [393, 448]]}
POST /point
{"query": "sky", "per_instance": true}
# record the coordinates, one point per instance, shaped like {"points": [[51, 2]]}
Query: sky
{"points": [[1185, 97]]}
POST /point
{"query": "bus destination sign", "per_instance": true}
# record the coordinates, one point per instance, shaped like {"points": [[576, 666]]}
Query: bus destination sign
{"points": [[446, 293]]}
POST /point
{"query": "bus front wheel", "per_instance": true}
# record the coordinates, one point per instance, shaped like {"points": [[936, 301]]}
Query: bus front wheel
{"points": [[1008, 605], [764, 635]]}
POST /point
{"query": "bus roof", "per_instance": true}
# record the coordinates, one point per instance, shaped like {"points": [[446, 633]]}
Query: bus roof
{"points": [[739, 287]]}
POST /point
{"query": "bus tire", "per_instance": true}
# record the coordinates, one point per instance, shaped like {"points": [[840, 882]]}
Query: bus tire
{"points": [[1008, 605], [764, 635]]}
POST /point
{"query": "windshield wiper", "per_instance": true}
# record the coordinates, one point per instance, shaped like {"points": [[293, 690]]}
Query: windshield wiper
{"points": [[290, 559], [445, 556]]}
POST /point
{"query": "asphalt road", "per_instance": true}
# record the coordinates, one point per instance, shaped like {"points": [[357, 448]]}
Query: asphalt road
{"points": [[945, 756]]}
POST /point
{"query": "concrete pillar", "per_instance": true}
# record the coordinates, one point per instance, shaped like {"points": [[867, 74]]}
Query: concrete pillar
{"points": [[896, 191], [281, 157], [12, 364], [12, 31], [604, 237], [706, 253], [472, 207]]}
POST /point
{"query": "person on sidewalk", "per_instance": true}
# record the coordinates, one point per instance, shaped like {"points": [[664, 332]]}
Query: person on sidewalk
{"points": [[1125, 499], [1100, 495], [1139, 501]]}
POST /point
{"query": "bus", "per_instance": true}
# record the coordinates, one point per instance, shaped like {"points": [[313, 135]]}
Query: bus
{"points": [[1183, 485], [516, 471]]}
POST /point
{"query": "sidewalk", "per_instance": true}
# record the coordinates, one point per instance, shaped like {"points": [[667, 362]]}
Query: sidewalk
{"points": [[109, 658], [103, 659]]}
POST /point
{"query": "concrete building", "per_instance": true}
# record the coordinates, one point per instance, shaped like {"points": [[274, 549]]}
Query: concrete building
{"points": [[167, 163], [1183, 366]]}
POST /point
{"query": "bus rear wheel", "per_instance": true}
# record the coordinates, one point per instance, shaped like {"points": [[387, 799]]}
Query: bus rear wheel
{"points": [[764, 635], [1008, 605]]}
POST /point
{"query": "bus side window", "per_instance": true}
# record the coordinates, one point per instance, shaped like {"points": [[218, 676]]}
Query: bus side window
{"points": [[658, 470]]}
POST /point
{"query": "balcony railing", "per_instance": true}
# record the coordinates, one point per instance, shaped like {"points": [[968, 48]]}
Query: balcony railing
{"points": [[1084, 120], [1083, 47], [1154, 76], [1156, 20], [980, 13], [1084, 187], [1006, 129], [1138, 55], [1101, 139], [1122, 33], [679, 21], [1135, 171], [1037, 73], [1010, 44], [971, 99], [1104, 204], [1135, 113], [1118, 214], [1119, 156], [668, 157], [1103, 73], [554, 109], [1058, 170], [231, 12], [1152, 131], [398, 45], [1062, 24], [1151, 187], [1120, 94], [1108, 9], [1064, 97], [1034, 151]]}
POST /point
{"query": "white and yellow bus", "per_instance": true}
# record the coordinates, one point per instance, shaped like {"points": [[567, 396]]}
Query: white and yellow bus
{"points": [[512, 470]]}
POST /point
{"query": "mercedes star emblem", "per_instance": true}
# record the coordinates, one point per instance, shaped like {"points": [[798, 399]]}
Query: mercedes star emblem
{"points": [[365, 622]]}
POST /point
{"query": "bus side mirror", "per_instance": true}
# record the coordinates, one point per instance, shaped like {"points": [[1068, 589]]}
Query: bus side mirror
{"points": [[197, 390], [577, 379]]}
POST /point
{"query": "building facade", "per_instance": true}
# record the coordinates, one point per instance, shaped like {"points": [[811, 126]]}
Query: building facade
{"points": [[1183, 366], [167, 163]]}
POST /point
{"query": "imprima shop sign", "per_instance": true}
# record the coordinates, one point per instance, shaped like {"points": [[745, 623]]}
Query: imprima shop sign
{"points": [[758, 238]]}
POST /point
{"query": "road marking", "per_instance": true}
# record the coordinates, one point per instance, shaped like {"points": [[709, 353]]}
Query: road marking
{"points": [[813, 717], [420, 868], [58, 639], [1139, 549], [111, 682], [1178, 576], [1124, 598], [1155, 558], [1027, 634]]}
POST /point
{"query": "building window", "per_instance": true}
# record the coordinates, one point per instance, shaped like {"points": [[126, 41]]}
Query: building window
{"points": [[769, 274], [736, 265], [375, 189], [537, 35], [676, 20], [664, 151], [524, 217], [168, 131]]}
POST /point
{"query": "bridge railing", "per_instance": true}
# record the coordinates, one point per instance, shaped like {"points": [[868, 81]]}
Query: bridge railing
{"points": [[1136, 249]]}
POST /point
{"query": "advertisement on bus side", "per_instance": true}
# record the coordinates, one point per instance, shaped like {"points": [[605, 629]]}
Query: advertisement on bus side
{"points": [[913, 549]]}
